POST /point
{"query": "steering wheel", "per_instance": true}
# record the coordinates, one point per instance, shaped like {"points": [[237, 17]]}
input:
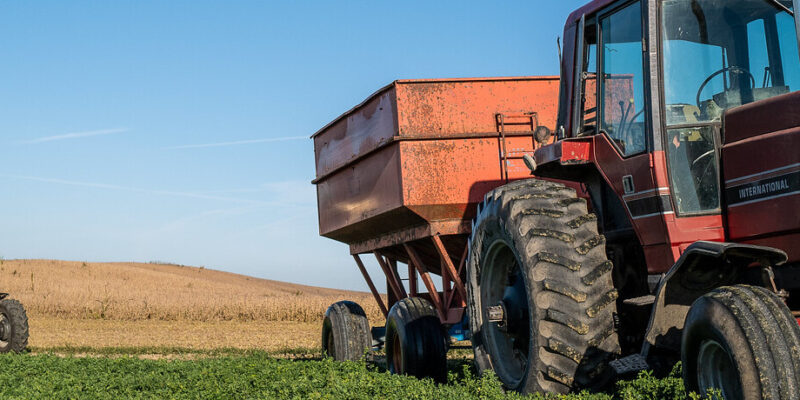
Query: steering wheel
{"points": [[704, 176], [733, 69], [703, 158]]}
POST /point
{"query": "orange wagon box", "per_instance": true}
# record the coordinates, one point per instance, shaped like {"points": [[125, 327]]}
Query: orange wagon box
{"points": [[422, 153]]}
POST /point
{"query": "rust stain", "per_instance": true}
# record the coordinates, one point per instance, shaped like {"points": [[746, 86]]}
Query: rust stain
{"points": [[423, 151]]}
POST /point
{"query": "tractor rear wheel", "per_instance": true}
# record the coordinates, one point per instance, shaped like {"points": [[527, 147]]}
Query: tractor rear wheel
{"points": [[345, 332], [13, 326], [415, 340], [541, 300], [743, 341]]}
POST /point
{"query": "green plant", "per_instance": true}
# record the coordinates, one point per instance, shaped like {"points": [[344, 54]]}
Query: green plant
{"points": [[259, 375]]}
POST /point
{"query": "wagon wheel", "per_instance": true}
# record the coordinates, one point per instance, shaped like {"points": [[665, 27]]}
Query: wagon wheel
{"points": [[345, 332], [415, 341]]}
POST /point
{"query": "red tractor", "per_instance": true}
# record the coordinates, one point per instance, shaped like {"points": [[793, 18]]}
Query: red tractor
{"points": [[661, 224]]}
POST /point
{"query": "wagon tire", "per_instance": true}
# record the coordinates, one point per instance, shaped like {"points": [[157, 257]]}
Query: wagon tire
{"points": [[415, 340], [345, 332], [743, 341], [539, 266], [13, 326]]}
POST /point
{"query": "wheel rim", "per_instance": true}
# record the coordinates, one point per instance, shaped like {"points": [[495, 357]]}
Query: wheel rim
{"points": [[5, 330], [716, 370], [397, 355], [507, 335]]}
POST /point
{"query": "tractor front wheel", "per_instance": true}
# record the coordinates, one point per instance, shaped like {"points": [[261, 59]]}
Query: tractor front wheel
{"points": [[541, 300], [743, 342], [13, 326]]}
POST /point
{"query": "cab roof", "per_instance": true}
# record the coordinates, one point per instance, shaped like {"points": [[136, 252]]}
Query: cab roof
{"points": [[587, 9]]}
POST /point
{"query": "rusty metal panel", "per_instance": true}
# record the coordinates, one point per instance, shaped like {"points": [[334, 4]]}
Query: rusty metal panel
{"points": [[445, 179], [417, 152], [365, 200], [443, 108], [361, 130]]}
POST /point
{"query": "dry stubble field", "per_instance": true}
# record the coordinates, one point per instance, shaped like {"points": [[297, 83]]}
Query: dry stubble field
{"points": [[77, 304]]}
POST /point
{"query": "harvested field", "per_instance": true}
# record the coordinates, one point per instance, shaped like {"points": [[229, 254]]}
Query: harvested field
{"points": [[51, 332], [136, 292]]}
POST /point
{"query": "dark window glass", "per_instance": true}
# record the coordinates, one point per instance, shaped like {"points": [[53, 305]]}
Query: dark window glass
{"points": [[622, 79], [720, 54], [589, 108], [693, 169]]}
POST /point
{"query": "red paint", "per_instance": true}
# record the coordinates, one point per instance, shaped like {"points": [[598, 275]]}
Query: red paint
{"points": [[576, 151], [663, 236], [756, 149]]}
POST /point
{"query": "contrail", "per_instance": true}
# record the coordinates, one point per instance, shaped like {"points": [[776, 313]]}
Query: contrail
{"points": [[236, 143], [140, 190], [75, 135]]}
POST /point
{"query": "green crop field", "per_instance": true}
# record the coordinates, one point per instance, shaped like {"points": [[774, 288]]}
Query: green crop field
{"points": [[173, 374]]}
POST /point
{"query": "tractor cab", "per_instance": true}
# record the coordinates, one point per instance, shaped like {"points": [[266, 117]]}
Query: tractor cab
{"points": [[681, 121], [646, 86]]}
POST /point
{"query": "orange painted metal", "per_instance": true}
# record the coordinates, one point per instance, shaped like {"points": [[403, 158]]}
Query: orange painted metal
{"points": [[416, 262], [391, 276], [371, 285], [449, 301], [448, 269], [424, 151]]}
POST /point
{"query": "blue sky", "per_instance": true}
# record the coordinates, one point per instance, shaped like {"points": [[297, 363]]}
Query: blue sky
{"points": [[178, 131]]}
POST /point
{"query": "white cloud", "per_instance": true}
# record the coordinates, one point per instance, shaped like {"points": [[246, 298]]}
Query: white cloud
{"points": [[184, 223], [75, 135], [141, 190], [237, 142]]}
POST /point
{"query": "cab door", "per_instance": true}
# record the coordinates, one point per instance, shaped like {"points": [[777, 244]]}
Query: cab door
{"points": [[615, 110]]}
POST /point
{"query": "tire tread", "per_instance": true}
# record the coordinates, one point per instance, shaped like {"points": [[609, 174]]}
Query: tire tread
{"points": [[559, 240], [20, 330]]}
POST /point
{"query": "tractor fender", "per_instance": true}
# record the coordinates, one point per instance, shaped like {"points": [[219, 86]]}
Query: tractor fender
{"points": [[703, 267]]}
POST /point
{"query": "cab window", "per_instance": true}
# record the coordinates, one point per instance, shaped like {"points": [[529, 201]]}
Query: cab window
{"points": [[622, 101], [718, 55], [589, 81]]}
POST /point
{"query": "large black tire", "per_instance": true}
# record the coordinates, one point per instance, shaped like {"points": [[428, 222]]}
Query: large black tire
{"points": [[345, 332], [535, 247], [743, 341], [415, 340], [13, 326]]}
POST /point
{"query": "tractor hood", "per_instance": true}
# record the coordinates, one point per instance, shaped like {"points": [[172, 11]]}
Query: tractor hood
{"points": [[761, 171]]}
